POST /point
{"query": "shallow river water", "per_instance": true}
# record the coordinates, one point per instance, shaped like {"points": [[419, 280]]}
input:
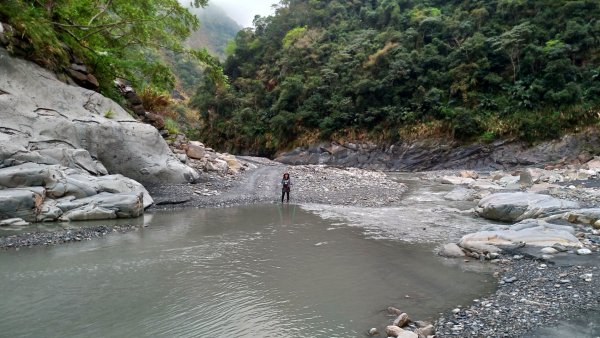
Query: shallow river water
{"points": [[258, 271]]}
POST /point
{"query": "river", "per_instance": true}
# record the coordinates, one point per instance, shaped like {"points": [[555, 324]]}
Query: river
{"points": [[257, 271]]}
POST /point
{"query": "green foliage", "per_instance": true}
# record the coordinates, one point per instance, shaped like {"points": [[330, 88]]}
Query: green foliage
{"points": [[292, 35], [472, 69], [117, 38], [109, 114], [171, 126]]}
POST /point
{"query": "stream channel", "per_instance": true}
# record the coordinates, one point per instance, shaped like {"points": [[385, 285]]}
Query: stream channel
{"points": [[256, 271]]}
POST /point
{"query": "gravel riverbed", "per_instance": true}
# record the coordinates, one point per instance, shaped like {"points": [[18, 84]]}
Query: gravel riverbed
{"points": [[262, 184], [30, 239], [532, 293]]}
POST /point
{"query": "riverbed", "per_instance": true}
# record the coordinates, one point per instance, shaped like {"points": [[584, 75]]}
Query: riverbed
{"points": [[256, 271]]}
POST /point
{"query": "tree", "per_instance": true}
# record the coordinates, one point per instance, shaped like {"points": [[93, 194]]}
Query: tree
{"points": [[115, 36], [512, 43]]}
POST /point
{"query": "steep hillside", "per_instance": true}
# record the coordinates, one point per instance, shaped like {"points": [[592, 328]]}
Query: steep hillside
{"points": [[391, 70], [215, 32]]}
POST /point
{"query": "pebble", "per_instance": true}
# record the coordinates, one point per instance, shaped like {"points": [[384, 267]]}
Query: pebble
{"points": [[518, 308], [373, 332]]}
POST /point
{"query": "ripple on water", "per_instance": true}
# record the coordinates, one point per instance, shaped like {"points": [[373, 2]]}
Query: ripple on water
{"points": [[236, 272]]}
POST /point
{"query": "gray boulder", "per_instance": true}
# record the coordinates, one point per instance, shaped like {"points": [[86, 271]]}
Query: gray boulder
{"points": [[583, 216], [18, 203], [57, 192], [510, 207], [47, 121], [103, 206], [543, 236]]}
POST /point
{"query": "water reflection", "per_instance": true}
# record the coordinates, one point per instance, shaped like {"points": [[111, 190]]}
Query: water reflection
{"points": [[260, 271]]}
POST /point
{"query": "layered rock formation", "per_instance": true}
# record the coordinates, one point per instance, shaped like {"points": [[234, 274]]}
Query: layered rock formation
{"points": [[436, 154], [46, 121], [39, 192], [59, 143]]}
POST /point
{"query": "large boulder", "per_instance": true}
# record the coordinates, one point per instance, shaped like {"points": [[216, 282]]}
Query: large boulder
{"points": [[18, 203], [535, 234], [583, 216], [510, 207], [40, 192], [47, 121], [103, 206]]}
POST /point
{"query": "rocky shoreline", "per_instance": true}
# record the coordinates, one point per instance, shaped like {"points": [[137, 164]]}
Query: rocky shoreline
{"points": [[536, 288], [31, 239], [531, 295]]}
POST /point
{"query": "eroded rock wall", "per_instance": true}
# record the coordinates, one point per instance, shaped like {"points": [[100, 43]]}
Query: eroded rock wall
{"points": [[44, 120], [437, 154]]}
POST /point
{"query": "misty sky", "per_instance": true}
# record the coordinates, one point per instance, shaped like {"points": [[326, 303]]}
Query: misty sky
{"points": [[243, 11]]}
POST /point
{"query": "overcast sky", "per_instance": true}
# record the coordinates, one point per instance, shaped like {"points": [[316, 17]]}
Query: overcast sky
{"points": [[243, 11]]}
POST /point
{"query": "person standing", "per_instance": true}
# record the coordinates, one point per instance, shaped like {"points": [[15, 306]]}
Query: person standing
{"points": [[286, 183]]}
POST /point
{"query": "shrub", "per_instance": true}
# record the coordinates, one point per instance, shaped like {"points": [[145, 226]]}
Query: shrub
{"points": [[171, 126]]}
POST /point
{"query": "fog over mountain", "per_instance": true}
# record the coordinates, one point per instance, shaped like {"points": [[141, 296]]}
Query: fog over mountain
{"points": [[243, 12]]}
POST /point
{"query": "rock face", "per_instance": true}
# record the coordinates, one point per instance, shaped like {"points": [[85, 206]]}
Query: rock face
{"points": [[43, 120], [509, 207], [436, 154], [39, 192]]}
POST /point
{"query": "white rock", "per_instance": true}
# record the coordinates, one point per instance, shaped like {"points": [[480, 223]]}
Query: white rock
{"points": [[537, 236], [485, 185], [549, 251], [518, 206], [451, 250], [584, 251], [13, 221], [457, 180], [460, 194]]}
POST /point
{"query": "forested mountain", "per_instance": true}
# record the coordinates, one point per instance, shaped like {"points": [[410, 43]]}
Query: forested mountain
{"points": [[215, 32], [387, 70]]}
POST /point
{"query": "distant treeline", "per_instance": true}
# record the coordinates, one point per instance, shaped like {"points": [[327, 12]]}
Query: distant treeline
{"points": [[386, 70]]}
